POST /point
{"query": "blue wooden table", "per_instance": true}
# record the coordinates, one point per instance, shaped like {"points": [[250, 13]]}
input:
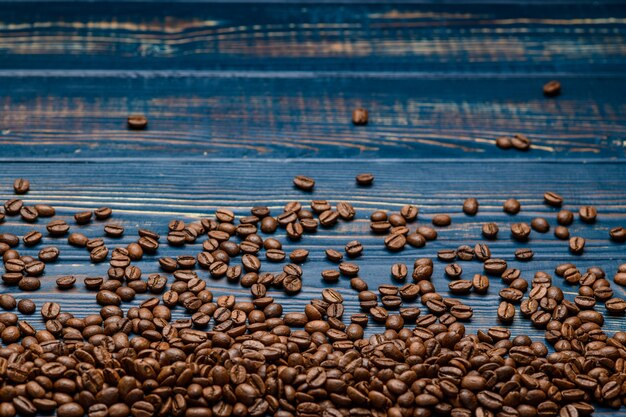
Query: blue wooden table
{"points": [[242, 97]]}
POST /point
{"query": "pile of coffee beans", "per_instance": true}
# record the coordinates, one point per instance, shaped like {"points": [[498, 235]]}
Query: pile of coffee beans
{"points": [[247, 357]]}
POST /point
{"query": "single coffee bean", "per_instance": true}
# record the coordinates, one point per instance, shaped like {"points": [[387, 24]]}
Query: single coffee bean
{"points": [[552, 89], [539, 224], [618, 234], [29, 214], [520, 231], [409, 212], [520, 142], [470, 206], [113, 230], [103, 213], [395, 242], [21, 186], [299, 255], [9, 239], [334, 255], [524, 254], [506, 312], [565, 217], [453, 271], [588, 214], [137, 122], [482, 252], [480, 283], [446, 255], [66, 282], [32, 238], [495, 266], [12, 207], [48, 254], [348, 269], [441, 220], [615, 305], [26, 306], [504, 142], [511, 206], [428, 232], [561, 232], [359, 117], [461, 286], [490, 230], [330, 275], [364, 179], [328, 218], [83, 217], [99, 254], [354, 249], [304, 183], [465, 253], [576, 245], [346, 210], [416, 240], [57, 228]]}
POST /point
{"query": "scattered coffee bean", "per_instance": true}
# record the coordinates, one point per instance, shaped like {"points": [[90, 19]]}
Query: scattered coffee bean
{"points": [[588, 214], [365, 179], [576, 245], [490, 230], [539, 224], [520, 142], [137, 122], [359, 117], [561, 232], [470, 206], [618, 234], [504, 142], [304, 183], [511, 206], [552, 88], [442, 220]]}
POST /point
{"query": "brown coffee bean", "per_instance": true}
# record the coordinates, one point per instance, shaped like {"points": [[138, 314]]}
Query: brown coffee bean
{"points": [[588, 214], [539, 224], [29, 214], [618, 234], [561, 232], [520, 231], [565, 217], [495, 266], [48, 254], [480, 283], [57, 228], [359, 117], [511, 206], [520, 142], [482, 252], [506, 312], [21, 186], [453, 270], [441, 220], [333, 255], [113, 230], [304, 183], [354, 249], [490, 230], [524, 254], [395, 242], [66, 282], [470, 206], [576, 245], [460, 286], [32, 238], [553, 89], [446, 255]]}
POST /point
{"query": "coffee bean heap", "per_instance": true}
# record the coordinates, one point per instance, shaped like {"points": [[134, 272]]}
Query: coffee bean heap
{"points": [[234, 357]]}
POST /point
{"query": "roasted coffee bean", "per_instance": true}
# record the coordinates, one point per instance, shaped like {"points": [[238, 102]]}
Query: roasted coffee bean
{"points": [[21, 186], [561, 232], [453, 271], [299, 255], [345, 210], [615, 305], [446, 255], [618, 234], [520, 142], [359, 117], [399, 271], [524, 254], [333, 255], [9, 239], [511, 206], [395, 242], [29, 214], [48, 254], [99, 254], [490, 230], [460, 286], [66, 282], [428, 232], [553, 89], [354, 249], [576, 245], [103, 213], [113, 230], [364, 179], [504, 142], [495, 266], [57, 228], [470, 206], [304, 183], [520, 231], [416, 240], [539, 224], [137, 122], [506, 312], [328, 218], [441, 220], [565, 217], [32, 238], [409, 212], [12, 207], [482, 252], [588, 214]]}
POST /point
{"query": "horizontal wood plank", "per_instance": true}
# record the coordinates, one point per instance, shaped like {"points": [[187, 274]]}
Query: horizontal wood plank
{"points": [[501, 38], [149, 193], [309, 116]]}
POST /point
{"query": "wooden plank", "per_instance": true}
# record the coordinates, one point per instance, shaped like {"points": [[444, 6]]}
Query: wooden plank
{"points": [[303, 115], [426, 38], [148, 193]]}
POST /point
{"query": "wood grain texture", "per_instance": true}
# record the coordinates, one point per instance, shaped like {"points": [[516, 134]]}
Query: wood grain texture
{"points": [[308, 116], [426, 38], [149, 193]]}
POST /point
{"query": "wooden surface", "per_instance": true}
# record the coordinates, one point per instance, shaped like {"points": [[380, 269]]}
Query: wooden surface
{"points": [[242, 97]]}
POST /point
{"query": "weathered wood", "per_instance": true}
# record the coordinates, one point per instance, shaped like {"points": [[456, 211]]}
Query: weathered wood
{"points": [[425, 38], [302, 115], [149, 193]]}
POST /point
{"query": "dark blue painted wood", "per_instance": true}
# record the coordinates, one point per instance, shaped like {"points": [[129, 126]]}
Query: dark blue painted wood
{"points": [[428, 38], [301, 115]]}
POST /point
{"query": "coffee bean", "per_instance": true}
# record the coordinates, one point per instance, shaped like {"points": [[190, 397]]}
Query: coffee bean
{"points": [[345, 210], [328, 218], [57, 228], [446, 255], [21, 186], [428, 232], [32, 238], [524, 254], [490, 230], [504, 142], [365, 179], [416, 240], [66, 282], [113, 230], [480, 283], [26, 306], [409, 212], [460, 286], [395, 242], [103, 213], [520, 231], [494, 266], [511, 206], [453, 271], [137, 122], [99, 254], [9, 239], [520, 142], [441, 220], [354, 249], [565, 217], [48, 254], [304, 183], [539, 224], [618, 234], [470, 206], [587, 214], [561, 232], [576, 245], [29, 214], [359, 117], [482, 252], [552, 89]]}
